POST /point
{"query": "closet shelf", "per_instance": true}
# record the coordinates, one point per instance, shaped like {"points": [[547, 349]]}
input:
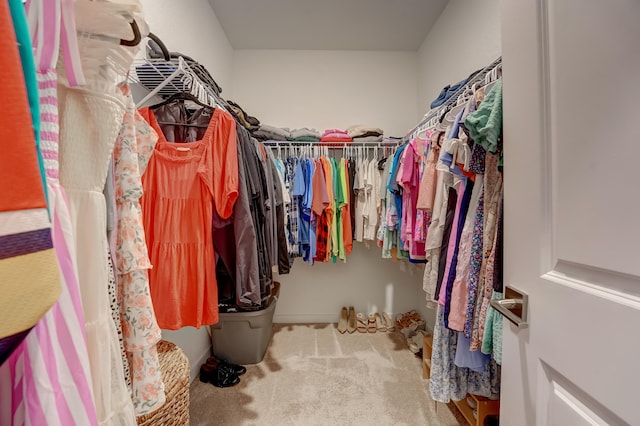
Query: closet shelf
{"points": [[484, 407], [165, 78]]}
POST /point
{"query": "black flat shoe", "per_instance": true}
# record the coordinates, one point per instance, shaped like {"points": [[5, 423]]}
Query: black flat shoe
{"points": [[217, 376], [238, 370]]}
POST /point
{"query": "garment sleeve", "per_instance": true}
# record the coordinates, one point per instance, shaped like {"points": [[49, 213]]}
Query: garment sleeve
{"points": [[225, 166], [298, 180]]}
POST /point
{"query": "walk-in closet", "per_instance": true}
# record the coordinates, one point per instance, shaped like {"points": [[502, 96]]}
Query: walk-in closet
{"points": [[278, 212]]}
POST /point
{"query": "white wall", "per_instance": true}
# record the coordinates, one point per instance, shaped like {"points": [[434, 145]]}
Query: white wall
{"points": [[465, 38], [326, 89], [316, 293], [191, 27]]}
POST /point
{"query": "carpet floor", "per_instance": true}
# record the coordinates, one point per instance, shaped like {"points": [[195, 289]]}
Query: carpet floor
{"points": [[313, 375]]}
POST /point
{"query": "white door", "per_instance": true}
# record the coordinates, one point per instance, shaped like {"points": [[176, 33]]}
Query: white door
{"points": [[572, 211]]}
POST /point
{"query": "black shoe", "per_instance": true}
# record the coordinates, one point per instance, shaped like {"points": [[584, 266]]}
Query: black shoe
{"points": [[238, 370], [218, 376]]}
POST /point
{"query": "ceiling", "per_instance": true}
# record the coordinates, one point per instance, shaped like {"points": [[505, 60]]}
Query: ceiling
{"points": [[327, 24]]}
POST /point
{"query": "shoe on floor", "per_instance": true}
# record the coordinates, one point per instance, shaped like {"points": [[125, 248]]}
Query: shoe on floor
{"points": [[351, 320], [236, 369], [219, 376], [342, 321]]}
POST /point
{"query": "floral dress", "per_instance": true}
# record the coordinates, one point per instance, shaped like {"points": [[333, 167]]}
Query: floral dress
{"points": [[133, 149], [450, 382]]}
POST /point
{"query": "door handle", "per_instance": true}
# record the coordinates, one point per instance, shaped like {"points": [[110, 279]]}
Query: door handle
{"points": [[513, 307]]}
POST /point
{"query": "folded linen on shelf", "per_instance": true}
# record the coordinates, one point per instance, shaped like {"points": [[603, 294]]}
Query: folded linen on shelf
{"points": [[360, 130], [267, 132], [336, 139], [377, 138], [328, 131], [304, 132], [305, 139]]}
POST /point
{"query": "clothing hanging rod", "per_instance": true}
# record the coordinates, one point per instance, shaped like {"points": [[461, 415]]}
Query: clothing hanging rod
{"points": [[332, 144]]}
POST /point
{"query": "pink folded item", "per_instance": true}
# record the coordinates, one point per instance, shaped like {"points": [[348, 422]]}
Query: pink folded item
{"points": [[332, 131], [336, 135]]}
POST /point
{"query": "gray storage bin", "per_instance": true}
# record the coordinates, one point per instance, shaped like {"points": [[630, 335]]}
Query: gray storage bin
{"points": [[243, 337]]}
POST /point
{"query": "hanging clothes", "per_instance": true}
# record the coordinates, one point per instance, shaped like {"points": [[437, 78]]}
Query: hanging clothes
{"points": [[179, 232]]}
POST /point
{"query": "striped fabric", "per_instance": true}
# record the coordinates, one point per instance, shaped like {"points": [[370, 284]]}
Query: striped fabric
{"points": [[29, 276], [50, 370]]}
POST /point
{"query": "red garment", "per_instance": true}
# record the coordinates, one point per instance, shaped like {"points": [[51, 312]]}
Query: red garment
{"points": [[181, 185], [336, 139], [21, 181]]}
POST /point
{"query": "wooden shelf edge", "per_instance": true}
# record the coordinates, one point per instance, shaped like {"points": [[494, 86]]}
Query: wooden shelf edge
{"points": [[466, 411]]}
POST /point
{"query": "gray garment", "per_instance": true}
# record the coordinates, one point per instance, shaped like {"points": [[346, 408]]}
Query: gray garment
{"points": [[247, 268], [257, 195], [281, 238], [236, 242], [270, 209]]}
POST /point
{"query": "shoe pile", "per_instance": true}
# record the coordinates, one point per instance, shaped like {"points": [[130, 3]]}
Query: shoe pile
{"points": [[221, 373], [413, 327], [349, 321]]}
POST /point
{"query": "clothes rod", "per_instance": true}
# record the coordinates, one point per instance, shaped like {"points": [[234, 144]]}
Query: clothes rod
{"points": [[332, 144], [436, 112]]}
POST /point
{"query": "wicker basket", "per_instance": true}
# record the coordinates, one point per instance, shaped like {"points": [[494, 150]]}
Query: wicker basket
{"points": [[175, 374]]}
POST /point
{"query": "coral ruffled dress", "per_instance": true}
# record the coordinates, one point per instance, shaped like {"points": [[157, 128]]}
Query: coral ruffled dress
{"points": [[182, 183]]}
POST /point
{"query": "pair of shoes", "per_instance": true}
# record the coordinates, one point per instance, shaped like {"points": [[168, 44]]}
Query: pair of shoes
{"points": [[218, 375], [410, 320], [238, 370], [347, 320], [381, 324], [371, 323], [363, 323], [388, 322]]}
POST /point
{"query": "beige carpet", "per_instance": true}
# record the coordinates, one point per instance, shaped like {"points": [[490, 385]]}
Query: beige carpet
{"points": [[313, 375]]}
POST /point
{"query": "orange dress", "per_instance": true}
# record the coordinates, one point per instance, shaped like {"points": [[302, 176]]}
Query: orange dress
{"points": [[182, 184]]}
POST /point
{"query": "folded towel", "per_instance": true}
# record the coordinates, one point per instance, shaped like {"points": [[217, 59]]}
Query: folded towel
{"points": [[392, 139], [337, 131], [360, 130], [272, 133], [304, 132], [336, 135], [336, 139], [305, 139], [368, 139]]}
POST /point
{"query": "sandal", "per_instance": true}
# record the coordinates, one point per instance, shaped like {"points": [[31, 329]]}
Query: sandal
{"points": [[371, 328], [362, 322], [404, 320], [387, 319], [381, 325]]}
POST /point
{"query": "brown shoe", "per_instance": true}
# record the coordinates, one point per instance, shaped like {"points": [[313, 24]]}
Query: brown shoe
{"points": [[351, 320], [342, 322]]}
